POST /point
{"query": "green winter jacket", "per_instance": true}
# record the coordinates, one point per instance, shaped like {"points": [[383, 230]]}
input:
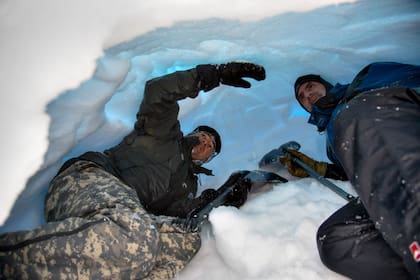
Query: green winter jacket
{"points": [[155, 158]]}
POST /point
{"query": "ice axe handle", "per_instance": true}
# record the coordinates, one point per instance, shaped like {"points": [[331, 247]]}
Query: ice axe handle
{"points": [[321, 179]]}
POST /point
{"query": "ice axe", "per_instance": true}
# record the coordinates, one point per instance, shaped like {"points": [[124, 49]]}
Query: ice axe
{"points": [[274, 155], [255, 178]]}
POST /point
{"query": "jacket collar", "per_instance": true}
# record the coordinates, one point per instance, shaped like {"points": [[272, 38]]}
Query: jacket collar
{"points": [[322, 110]]}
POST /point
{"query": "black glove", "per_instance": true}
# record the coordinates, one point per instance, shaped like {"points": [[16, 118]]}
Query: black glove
{"points": [[239, 194], [208, 76], [207, 195], [232, 73]]}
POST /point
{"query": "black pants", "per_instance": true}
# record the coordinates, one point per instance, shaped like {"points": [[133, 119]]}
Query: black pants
{"points": [[349, 244]]}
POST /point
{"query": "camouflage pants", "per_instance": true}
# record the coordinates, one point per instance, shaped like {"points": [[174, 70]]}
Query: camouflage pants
{"points": [[96, 229]]}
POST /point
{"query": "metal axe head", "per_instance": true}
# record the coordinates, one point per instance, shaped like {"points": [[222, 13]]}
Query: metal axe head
{"points": [[259, 176], [273, 156], [291, 145], [263, 180]]}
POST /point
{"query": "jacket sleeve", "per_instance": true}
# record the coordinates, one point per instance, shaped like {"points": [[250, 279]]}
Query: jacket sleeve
{"points": [[158, 114], [384, 74]]}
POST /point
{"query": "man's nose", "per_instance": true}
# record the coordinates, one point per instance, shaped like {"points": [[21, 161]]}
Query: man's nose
{"points": [[311, 92]]}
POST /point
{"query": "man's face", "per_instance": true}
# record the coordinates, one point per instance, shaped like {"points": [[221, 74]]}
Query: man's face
{"points": [[206, 149], [310, 92]]}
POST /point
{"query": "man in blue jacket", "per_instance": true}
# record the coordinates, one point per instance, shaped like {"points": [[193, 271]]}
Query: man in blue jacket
{"points": [[373, 139]]}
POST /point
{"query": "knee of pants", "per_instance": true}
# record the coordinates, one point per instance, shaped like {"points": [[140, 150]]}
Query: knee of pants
{"points": [[325, 247], [126, 237], [335, 248], [102, 246], [132, 249], [179, 244], [364, 256]]}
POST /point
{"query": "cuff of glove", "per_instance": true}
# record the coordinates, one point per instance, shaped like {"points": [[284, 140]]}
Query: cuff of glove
{"points": [[321, 168], [208, 76], [336, 172]]}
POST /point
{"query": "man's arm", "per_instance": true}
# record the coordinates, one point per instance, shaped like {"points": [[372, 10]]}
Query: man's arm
{"points": [[158, 114], [159, 109]]}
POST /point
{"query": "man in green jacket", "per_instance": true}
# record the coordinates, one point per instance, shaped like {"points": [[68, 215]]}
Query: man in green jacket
{"points": [[111, 215]]}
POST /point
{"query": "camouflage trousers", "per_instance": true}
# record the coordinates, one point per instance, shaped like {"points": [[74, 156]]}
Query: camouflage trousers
{"points": [[96, 229]]}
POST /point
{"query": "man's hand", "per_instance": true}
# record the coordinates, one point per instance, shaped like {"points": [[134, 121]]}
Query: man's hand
{"points": [[297, 171], [232, 73], [238, 196]]}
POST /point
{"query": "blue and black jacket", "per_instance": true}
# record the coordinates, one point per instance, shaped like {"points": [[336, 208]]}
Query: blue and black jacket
{"points": [[373, 76]]}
